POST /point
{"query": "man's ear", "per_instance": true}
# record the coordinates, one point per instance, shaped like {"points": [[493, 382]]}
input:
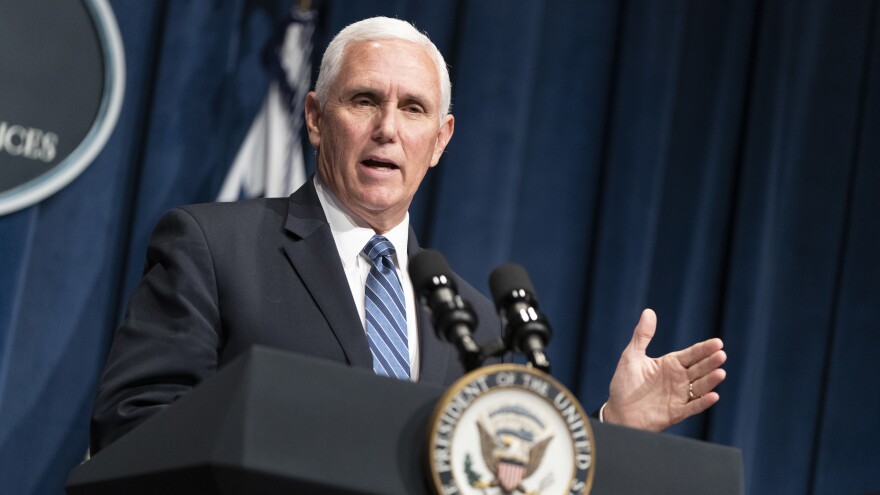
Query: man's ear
{"points": [[313, 118], [443, 137]]}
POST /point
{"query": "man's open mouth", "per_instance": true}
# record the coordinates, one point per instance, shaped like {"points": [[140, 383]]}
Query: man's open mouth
{"points": [[379, 164]]}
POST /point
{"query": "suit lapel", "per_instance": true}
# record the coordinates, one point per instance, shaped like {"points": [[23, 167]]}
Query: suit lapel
{"points": [[312, 252], [434, 354]]}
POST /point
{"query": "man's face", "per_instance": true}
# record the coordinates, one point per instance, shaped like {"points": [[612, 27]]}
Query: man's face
{"points": [[379, 131]]}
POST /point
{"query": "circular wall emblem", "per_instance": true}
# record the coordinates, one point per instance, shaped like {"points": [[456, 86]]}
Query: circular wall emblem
{"points": [[510, 430], [62, 67]]}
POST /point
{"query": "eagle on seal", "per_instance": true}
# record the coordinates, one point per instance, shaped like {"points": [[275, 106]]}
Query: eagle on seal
{"points": [[512, 455]]}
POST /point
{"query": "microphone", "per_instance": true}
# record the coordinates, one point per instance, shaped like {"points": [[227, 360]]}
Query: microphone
{"points": [[528, 331], [453, 318]]}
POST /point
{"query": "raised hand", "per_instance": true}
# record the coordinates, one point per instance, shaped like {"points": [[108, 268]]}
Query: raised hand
{"points": [[655, 393]]}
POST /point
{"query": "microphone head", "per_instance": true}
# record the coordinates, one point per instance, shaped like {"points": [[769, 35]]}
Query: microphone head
{"points": [[507, 280], [425, 266]]}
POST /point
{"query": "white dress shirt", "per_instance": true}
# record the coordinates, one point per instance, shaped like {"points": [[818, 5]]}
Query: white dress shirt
{"points": [[351, 234]]}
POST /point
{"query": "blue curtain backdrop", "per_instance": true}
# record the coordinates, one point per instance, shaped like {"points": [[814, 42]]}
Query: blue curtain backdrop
{"points": [[716, 160]]}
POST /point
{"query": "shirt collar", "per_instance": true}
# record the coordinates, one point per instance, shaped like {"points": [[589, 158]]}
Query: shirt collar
{"points": [[351, 233]]}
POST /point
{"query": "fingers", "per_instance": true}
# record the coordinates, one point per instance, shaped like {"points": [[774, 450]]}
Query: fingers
{"points": [[699, 351], [644, 331], [705, 385], [700, 404], [706, 366], [706, 374]]}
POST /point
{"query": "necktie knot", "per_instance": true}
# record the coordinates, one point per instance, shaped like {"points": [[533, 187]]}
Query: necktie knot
{"points": [[379, 247]]}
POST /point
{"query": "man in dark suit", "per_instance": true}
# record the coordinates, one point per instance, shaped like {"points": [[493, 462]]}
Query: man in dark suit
{"points": [[290, 273]]}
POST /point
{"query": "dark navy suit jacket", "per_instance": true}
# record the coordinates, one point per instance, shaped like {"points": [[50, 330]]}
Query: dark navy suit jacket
{"points": [[222, 277]]}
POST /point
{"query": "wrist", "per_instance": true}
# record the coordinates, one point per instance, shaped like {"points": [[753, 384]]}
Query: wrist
{"points": [[611, 415]]}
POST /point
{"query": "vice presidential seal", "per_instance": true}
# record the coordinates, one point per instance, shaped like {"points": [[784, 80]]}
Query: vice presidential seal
{"points": [[510, 430]]}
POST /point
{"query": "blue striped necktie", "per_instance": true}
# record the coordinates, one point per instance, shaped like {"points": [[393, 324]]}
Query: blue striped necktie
{"points": [[386, 312]]}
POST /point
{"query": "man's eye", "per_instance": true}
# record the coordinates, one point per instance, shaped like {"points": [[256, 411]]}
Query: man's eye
{"points": [[414, 109], [363, 102]]}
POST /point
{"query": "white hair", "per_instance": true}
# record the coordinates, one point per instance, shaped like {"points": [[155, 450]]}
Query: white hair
{"points": [[373, 29]]}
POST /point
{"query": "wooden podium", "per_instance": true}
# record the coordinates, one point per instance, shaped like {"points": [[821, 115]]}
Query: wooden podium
{"points": [[272, 422]]}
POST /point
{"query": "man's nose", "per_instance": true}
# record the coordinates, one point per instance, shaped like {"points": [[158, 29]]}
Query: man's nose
{"points": [[386, 124]]}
